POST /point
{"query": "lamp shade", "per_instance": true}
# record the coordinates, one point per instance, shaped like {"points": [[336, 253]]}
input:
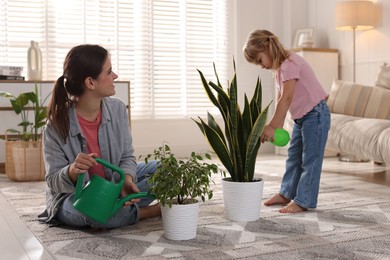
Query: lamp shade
{"points": [[355, 15]]}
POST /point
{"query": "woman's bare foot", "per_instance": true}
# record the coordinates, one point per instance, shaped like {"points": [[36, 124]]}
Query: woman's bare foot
{"points": [[150, 211], [292, 207], [277, 199]]}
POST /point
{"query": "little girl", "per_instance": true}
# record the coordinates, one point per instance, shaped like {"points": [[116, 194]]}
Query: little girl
{"points": [[300, 93]]}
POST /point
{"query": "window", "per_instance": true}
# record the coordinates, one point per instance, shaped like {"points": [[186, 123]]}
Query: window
{"points": [[156, 44]]}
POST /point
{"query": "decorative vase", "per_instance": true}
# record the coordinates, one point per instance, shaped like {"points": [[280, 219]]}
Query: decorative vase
{"points": [[181, 221], [242, 200], [34, 62]]}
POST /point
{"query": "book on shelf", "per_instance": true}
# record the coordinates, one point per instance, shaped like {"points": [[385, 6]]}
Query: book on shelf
{"points": [[10, 72], [6, 67], [5, 77]]}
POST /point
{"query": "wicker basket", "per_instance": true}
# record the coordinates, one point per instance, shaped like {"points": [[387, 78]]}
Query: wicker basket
{"points": [[24, 160]]}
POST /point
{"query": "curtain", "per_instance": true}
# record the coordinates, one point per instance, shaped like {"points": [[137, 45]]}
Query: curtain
{"points": [[157, 45]]}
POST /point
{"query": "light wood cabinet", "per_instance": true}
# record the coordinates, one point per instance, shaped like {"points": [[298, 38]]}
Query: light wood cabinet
{"points": [[10, 120]]}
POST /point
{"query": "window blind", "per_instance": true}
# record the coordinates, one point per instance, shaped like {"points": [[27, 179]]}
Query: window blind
{"points": [[155, 44]]}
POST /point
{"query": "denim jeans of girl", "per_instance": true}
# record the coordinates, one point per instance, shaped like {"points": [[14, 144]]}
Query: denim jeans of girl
{"points": [[125, 216], [301, 181]]}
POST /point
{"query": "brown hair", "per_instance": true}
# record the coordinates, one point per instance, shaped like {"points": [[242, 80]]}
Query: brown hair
{"points": [[258, 41], [81, 62]]}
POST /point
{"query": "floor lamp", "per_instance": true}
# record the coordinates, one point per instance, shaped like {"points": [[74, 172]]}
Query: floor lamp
{"points": [[354, 15]]}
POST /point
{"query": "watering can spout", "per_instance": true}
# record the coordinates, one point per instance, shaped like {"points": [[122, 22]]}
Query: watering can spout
{"points": [[130, 197]]}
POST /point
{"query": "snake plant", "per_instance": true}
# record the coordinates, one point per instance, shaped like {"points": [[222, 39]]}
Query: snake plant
{"points": [[238, 145]]}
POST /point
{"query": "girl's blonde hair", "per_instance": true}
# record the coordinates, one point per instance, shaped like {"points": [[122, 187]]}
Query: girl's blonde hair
{"points": [[258, 41]]}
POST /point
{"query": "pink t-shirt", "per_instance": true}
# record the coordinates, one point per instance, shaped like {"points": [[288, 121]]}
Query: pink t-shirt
{"points": [[90, 132], [308, 90]]}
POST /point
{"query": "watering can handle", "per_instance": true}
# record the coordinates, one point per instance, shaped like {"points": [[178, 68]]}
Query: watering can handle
{"points": [[79, 186], [111, 166]]}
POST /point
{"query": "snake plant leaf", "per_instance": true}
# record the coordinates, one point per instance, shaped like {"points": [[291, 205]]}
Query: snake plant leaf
{"points": [[223, 97], [214, 125], [246, 117], [200, 126], [210, 94], [254, 141], [256, 102], [218, 146]]}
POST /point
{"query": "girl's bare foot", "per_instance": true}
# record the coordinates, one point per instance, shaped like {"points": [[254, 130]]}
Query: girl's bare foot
{"points": [[292, 207], [277, 199]]}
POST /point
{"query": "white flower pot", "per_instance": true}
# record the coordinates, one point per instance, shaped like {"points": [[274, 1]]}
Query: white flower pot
{"points": [[181, 221], [242, 200]]}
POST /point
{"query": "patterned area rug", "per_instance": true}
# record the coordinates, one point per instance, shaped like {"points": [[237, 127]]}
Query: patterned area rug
{"points": [[348, 224]]}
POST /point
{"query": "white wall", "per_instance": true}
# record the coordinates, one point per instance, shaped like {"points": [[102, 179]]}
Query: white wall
{"points": [[283, 17], [371, 46]]}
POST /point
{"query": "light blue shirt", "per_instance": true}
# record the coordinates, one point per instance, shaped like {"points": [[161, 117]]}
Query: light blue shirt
{"points": [[116, 146]]}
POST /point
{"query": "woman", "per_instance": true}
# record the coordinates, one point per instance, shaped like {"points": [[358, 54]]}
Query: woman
{"points": [[83, 123], [300, 93]]}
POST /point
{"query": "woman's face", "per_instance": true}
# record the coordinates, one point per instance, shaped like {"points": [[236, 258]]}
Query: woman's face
{"points": [[106, 79]]}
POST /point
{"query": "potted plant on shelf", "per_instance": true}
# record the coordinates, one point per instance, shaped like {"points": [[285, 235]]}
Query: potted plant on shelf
{"points": [[24, 159], [237, 146], [179, 185]]}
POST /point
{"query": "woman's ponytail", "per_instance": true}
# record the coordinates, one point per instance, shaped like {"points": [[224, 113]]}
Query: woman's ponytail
{"points": [[58, 108]]}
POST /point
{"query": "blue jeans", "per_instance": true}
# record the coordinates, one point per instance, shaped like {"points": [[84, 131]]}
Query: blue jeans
{"points": [[68, 215], [301, 181]]}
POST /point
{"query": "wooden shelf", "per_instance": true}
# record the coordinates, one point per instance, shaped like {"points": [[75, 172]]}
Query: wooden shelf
{"points": [[314, 49]]}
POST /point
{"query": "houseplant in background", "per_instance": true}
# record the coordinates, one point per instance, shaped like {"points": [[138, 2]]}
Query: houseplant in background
{"points": [[237, 146], [24, 160], [179, 185]]}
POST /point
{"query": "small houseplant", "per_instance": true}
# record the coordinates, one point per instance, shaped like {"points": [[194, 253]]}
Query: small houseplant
{"points": [[178, 185], [24, 161], [237, 146]]}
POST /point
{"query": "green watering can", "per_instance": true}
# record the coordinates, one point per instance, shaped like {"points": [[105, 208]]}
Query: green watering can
{"points": [[99, 199], [281, 137]]}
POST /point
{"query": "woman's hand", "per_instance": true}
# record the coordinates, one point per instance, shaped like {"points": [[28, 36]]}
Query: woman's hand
{"points": [[129, 187], [267, 134], [81, 164]]}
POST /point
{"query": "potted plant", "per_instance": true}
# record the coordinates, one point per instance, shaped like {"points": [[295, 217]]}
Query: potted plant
{"points": [[237, 146], [24, 160], [179, 185]]}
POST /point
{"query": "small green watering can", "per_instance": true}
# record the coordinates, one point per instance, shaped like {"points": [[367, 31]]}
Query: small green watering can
{"points": [[281, 137], [99, 199]]}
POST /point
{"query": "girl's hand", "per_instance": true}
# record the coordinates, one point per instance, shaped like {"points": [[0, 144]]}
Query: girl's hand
{"points": [[129, 187], [267, 134]]}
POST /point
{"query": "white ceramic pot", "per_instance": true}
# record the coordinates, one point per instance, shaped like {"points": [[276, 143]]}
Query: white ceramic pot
{"points": [[242, 200], [181, 221]]}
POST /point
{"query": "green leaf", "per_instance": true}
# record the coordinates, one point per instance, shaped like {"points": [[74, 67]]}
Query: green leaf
{"points": [[254, 142], [219, 147]]}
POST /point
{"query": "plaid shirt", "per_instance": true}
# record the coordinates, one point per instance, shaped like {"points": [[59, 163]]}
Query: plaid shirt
{"points": [[115, 143]]}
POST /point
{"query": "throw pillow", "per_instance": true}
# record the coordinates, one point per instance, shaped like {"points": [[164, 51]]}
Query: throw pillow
{"points": [[354, 99], [383, 79], [348, 98]]}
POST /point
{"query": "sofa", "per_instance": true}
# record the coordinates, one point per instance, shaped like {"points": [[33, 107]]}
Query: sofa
{"points": [[360, 120]]}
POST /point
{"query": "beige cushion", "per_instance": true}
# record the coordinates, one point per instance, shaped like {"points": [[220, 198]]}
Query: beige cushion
{"points": [[383, 80], [358, 100], [364, 137]]}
